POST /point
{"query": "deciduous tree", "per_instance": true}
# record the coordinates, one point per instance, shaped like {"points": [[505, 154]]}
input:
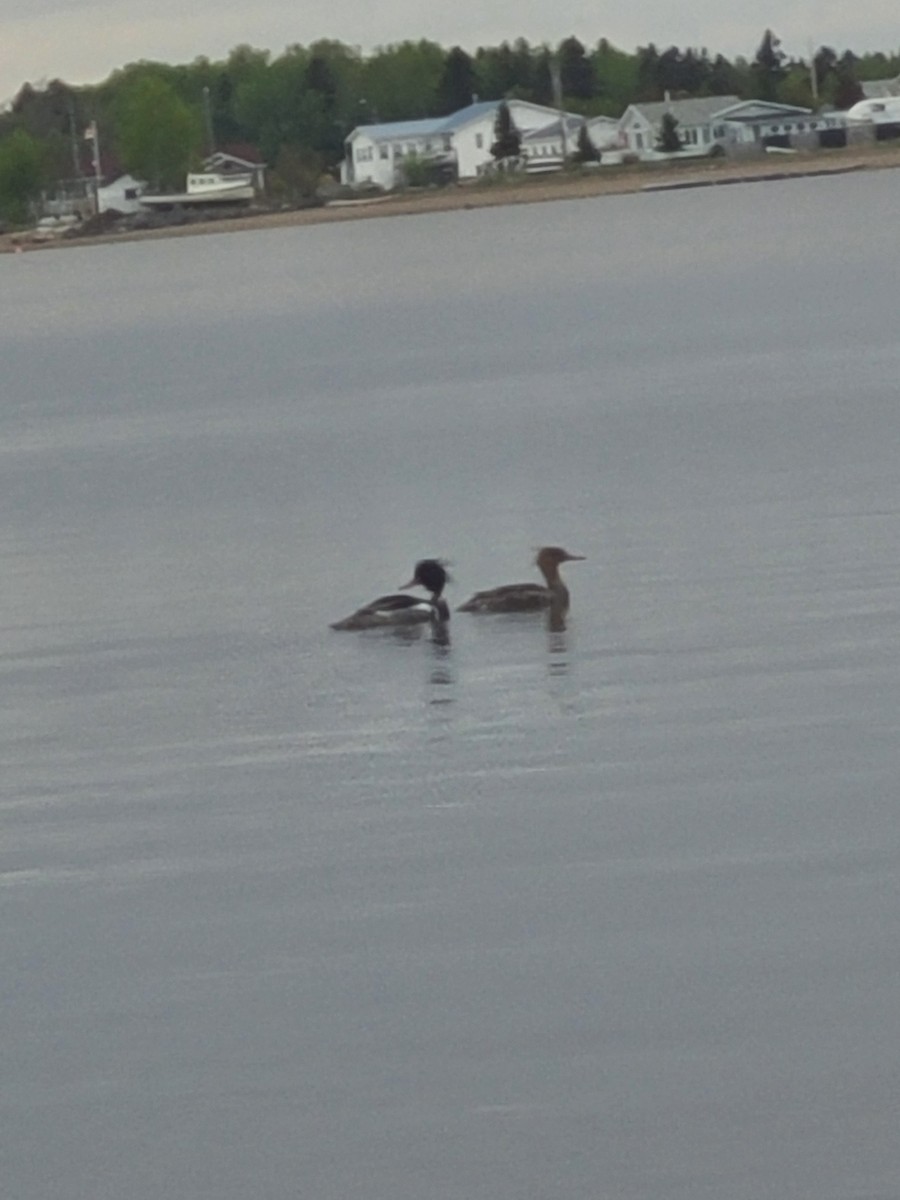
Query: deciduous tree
{"points": [[159, 137], [21, 175]]}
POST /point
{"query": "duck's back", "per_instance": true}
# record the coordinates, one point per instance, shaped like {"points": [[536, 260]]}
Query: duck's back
{"points": [[398, 609], [511, 597]]}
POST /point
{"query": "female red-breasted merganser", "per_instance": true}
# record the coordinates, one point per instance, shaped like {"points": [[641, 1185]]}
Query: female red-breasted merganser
{"points": [[528, 597], [405, 610]]}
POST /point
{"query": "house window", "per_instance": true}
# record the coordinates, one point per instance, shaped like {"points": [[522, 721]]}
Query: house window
{"points": [[398, 150], [131, 194], [447, 143], [385, 151], [639, 141], [719, 131], [479, 141]]}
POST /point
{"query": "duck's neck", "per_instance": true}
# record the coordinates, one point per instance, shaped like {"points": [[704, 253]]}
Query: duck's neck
{"points": [[550, 572], [439, 609]]}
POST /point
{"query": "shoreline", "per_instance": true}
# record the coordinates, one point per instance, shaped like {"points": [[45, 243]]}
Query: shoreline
{"points": [[612, 181]]}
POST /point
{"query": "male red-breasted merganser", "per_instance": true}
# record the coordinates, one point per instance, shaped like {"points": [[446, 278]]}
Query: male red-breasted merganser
{"points": [[405, 610], [528, 597]]}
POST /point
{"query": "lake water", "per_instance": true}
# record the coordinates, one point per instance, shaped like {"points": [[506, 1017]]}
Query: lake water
{"points": [[606, 913]]}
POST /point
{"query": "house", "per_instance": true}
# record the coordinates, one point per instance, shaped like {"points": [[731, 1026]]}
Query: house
{"points": [[880, 89], [603, 132], [375, 154], [547, 148], [705, 123], [121, 195], [765, 123], [228, 162], [699, 123]]}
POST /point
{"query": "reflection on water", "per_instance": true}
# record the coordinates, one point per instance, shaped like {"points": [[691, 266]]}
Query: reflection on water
{"points": [[440, 633], [556, 616], [442, 677], [557, 651]]}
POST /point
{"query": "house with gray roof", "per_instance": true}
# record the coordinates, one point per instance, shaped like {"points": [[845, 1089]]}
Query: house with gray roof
{"points": [[547, 148], [375, 154], [707, 122]]}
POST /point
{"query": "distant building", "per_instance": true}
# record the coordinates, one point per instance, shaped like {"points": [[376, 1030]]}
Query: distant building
{"points": [[121, 195], [375, 154], [707, 122], [880, 89]]}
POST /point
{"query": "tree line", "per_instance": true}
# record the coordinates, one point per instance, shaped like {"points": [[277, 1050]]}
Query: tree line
{"points": [[297, 107]]}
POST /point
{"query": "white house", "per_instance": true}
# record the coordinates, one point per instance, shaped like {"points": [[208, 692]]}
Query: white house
{"points": [[603, 132], [699, 123], [707, 122], [121, 195], [375, 153], [546, 148], [761, 121]]}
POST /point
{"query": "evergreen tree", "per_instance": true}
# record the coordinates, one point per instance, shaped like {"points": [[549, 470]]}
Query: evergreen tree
{"points": [[722, 79], [523, 70], [507, 139], [542, 90], [669, 142], [575, 70], [496, 71], [846, 84], [457, 83], [585, 150], [768, 66], [647, 82]]}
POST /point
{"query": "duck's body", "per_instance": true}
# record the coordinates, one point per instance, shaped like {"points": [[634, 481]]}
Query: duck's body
{"points": [[528, 597], [400, 609]]}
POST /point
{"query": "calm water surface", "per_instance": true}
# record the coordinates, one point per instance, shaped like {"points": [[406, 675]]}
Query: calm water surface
{"points": [[611, 912]]}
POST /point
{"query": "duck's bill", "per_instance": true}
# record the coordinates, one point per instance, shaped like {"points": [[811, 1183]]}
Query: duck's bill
{"points": [[575, 558], [412, 583]]}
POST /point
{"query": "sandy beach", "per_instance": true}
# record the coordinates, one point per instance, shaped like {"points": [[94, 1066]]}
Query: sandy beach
{"points": [[514, 190]]}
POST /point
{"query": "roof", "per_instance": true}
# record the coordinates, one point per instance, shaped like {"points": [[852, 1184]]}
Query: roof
{"points": [[400, 129], [695, 111], [553, 130], [880, 89], [436, 126], [762, 110], [472, 112]]}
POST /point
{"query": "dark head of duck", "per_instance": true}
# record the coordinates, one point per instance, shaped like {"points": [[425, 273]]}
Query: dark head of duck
{"points": [[431, 575]]}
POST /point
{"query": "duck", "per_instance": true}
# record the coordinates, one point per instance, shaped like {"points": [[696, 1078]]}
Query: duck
{"points": [[528, 597], [400, 609]]}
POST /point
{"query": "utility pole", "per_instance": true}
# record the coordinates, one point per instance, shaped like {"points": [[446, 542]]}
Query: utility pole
{"points": [[73, 137], [556, 77], [813, 76], [207, 121], [91, 135]]}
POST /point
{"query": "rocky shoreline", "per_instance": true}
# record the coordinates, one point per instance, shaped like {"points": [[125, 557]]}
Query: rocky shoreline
{"points": [[516, 190]]}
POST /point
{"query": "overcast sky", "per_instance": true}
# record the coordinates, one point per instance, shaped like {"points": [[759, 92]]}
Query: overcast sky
{"points": [[82, 41]]}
